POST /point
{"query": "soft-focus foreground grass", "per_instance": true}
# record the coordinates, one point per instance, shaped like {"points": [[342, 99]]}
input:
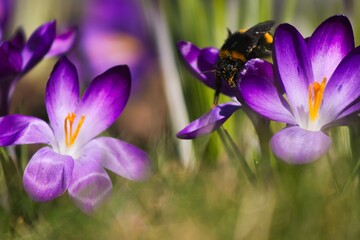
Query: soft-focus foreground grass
{"points": [[297, 202], [300, 203]]}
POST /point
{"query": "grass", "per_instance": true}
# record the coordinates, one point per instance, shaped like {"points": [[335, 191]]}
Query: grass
{"points": [[298, 202]]}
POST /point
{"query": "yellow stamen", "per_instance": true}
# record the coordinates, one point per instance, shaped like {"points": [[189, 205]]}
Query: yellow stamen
{"points": [[316, 93], [70, 137]]}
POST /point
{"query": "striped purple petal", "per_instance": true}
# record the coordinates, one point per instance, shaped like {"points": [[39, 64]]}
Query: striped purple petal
{"points": [[19, 129], [62, 95], [297, 145], [343, 88], [293, 66], [120, 157], [90, 184], [38, 45], [47, 175], [329, 44], [62, 43], [210, 121], [103, 102], [263, 97]]}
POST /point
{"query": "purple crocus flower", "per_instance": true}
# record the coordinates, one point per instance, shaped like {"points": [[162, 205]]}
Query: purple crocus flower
{"points": [[74, 158], [18, 56], [121, 27], [320, 88], [201, 63]]}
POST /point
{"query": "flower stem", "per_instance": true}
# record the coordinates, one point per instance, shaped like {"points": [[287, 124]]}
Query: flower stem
{"points": [[8, 166], [18, 205], [234, 153], [353, 174], [262, 128], [337, 185], [9, 171]]}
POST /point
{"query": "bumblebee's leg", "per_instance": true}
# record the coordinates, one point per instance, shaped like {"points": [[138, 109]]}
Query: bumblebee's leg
{"points": [[216, 97], [217, 91]]}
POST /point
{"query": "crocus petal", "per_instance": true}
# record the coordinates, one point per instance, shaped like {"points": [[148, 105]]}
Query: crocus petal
{"points": [[190, 53], [343, 87], [62, 95], [90, 184], [62, 43], [10, 66], [19, 129], [120, 157], [202, 64], [209, 122], [263, 97], [297, 145], [38, 45], [103, 101], [205, 65], [348, 120], [10, 60], [352, 109], [329, 44], [293, 66], [18, 39], [259, 67], [47, 175]]}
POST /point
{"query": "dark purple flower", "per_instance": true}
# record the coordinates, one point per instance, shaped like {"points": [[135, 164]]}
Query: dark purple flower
{"points": [[116, 32], [18, 56], [62, 43], [75, 158], [6, 6], [202, 62], [321, 81], [209, 122]]}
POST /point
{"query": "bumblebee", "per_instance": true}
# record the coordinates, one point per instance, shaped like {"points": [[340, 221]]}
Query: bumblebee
{"points": [[240, 47]]}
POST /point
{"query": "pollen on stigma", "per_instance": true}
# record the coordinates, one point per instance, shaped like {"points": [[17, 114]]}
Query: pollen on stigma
{"points": [[316, 94], [70, 134]]}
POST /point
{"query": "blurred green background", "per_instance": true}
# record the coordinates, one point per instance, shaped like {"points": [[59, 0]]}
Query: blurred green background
{"points": [[195, 191]]}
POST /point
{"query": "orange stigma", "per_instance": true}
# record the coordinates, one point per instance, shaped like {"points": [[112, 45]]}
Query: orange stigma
{"points": [[316, 93], [71, 136]]}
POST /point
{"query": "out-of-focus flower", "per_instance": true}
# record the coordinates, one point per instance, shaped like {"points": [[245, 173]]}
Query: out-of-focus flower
{"points": [[5, 10], [115, 32], [18, 56], [320, 88], [202, 62], [74, 159]]}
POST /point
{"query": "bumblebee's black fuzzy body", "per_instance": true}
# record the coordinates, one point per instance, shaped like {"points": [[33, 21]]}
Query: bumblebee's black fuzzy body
{"points": [[240, 47]]}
